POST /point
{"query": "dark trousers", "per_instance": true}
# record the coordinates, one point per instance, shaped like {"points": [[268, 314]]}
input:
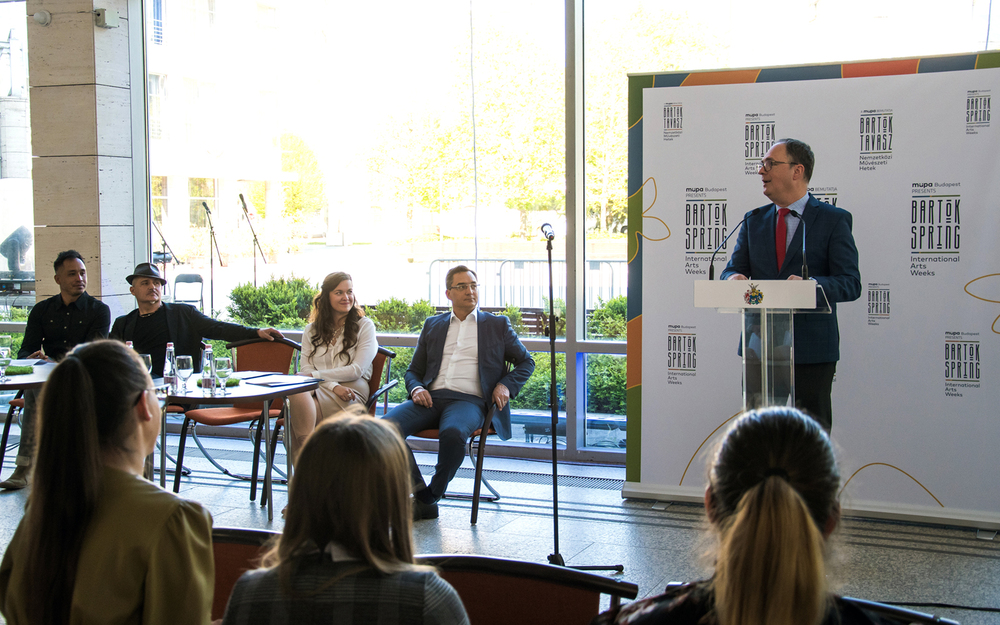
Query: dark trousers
{"points": [[26, 444], [456, 416], [813, 386]]}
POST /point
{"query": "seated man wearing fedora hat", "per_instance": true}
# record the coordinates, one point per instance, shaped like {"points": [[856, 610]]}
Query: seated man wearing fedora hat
{"points": [[155, 323]]}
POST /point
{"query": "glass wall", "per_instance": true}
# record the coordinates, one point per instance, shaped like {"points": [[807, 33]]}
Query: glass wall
{"points": [[394, 140], [17, 251]]}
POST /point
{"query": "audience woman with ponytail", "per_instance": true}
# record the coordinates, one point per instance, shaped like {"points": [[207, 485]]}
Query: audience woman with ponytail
{"points": [[338, 347], [772, 501], [98, 543]]}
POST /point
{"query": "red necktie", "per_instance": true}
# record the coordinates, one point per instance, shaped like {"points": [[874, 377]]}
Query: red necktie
{"points": [[781, 236]]}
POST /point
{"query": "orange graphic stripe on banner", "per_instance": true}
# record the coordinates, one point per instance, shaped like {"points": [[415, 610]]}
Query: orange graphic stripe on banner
{"points": [[633, 369], [883, 464], [879, 68], [721, 78]]}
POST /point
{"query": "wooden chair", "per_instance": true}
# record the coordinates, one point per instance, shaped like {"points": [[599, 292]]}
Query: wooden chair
{"points": [[376, 387], [381, 369], [249, 355], [895, 614], [14, 406], [478, 442], [236, 552], [535, 593]]}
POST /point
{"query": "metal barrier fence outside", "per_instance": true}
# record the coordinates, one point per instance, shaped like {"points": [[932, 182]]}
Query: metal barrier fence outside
{"points": [[525, 283]]}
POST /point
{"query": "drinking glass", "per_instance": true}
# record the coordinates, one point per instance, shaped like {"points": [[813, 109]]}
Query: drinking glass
{"points": [[4, 363], [223, 367], [5, 344], [185, 367], [148, 361]]}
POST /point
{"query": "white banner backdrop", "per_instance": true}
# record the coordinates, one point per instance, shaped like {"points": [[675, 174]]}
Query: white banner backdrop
{"points": [[916, 160]]}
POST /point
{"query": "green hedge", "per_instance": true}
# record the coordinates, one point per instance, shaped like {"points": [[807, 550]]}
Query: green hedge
{"points": [[278, 303]]}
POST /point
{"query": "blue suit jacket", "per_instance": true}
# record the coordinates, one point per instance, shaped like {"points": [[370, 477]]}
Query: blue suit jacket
{"points": [[833, 263], [498, 345]]}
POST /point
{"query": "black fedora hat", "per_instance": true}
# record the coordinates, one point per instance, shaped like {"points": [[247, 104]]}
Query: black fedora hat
{"points": [[145, 270]]}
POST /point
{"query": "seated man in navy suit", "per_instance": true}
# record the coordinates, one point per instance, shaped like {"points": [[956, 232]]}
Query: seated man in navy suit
{"points": [[458, 369], [769, 247]]}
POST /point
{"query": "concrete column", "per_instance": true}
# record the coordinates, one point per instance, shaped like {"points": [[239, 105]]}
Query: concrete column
{"points": [[89, 143]]}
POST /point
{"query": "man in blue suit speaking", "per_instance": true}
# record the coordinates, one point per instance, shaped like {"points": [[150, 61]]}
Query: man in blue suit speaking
{"points": [[769, 247], [458, 369]]}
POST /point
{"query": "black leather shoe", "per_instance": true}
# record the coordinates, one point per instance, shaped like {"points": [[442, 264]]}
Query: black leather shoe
{"points": [[422, 511]]}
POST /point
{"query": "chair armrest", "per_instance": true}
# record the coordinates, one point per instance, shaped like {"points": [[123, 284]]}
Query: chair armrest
{"points": [[282, 340], [383, 390]]}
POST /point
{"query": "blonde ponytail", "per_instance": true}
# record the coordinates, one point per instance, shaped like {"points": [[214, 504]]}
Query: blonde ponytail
{"points": [[772, 487], [770, 568]]}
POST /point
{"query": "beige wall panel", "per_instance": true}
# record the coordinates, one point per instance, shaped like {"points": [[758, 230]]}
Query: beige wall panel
{"points": [[62, 53], [120, 303], [116, 263], [114, 121], [77, 6], [60, 6], [111, 52], [66, 191], [114, 176], [50, 241], [64, 121]]}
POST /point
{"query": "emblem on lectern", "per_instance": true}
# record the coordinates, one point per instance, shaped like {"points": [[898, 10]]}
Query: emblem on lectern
{"points": [[753, 296]]}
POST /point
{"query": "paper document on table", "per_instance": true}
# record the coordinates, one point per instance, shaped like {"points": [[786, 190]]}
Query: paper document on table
{"points": [[250, 375], [26, 362], [276, 379]]}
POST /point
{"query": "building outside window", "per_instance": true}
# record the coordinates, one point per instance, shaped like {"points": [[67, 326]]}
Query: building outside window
{"points": [[201, 193], [157, 95]]}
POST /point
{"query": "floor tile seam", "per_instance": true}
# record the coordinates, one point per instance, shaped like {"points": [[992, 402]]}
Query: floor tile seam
{"points": [[921, 550], [968, 544], [973, 548], [618, 518], [965, 537], [905, 528], [598, 520], [564, 503]]}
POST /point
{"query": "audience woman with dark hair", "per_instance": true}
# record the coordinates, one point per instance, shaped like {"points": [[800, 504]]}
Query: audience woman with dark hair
{"points": [[346, 553], [338, 347], [98, 543], [772, 500]]}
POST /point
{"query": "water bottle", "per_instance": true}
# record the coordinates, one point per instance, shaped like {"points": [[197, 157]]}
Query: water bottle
{"points": [[170, 368], [208, 372]]}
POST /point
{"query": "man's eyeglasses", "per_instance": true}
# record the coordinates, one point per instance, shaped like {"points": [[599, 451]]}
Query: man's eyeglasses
{"points": [[768, 163], [464, 286]]}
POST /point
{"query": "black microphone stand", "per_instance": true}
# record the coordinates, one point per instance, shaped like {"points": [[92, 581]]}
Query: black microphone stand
{"points": [[165, 247], [256, 243], [550, 330], [211, 260]]}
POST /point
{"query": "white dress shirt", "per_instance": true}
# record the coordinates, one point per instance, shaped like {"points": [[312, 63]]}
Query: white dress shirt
{"points": [[460, 359]]}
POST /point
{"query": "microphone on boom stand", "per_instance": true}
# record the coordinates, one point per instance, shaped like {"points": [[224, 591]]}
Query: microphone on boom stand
{"points": [[256, 243], [211, 259], [556, 558]]}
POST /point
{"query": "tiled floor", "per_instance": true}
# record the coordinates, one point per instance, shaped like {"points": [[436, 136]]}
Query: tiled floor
{"points": [[869, 559]]}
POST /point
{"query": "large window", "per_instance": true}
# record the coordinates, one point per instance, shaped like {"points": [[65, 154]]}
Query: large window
{"points": [[443, 140]]}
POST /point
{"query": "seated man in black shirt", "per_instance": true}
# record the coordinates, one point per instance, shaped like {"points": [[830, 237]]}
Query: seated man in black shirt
{"points": [[155, 323], [55, 326]]}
